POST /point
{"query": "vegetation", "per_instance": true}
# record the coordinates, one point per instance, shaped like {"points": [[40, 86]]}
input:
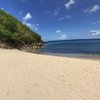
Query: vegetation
{"points": [[14, 34]]}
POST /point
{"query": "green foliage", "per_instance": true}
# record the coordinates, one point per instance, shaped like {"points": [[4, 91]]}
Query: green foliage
{"points": [[14, 33]]}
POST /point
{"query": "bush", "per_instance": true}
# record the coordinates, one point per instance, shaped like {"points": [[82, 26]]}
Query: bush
{"points": [[14, 33]]}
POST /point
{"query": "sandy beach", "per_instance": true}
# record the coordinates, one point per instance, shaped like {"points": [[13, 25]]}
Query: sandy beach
{"points": [[27, 76]]}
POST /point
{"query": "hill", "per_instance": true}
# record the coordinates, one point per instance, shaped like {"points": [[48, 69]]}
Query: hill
{"points": [[14, 34]]}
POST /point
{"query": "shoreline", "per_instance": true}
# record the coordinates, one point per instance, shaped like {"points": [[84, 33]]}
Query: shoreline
{"points": [[79, 56]]}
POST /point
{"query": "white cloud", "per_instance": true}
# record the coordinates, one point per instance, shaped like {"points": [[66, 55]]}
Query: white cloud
{"points": [[46, 12], [29, 25], [56, 11], [63, 37], [64, 18], [93, 9], [95, 32], [32, 26], [27, 17], [68, 16], [35, 27], [58, 31], [1, 8], [68, 4], [98, 22]]}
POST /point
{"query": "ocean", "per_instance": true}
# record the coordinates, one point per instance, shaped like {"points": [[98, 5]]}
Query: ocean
{"points": [[79, 47]]}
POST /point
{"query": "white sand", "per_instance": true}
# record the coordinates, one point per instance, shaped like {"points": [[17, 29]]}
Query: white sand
{"points": [[26, 76]]}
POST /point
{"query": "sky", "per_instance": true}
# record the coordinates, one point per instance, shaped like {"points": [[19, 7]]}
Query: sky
{"points": [[57, 19]]}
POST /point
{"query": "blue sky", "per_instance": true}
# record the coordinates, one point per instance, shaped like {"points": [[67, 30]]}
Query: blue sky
{"points": [[57, 19]]}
